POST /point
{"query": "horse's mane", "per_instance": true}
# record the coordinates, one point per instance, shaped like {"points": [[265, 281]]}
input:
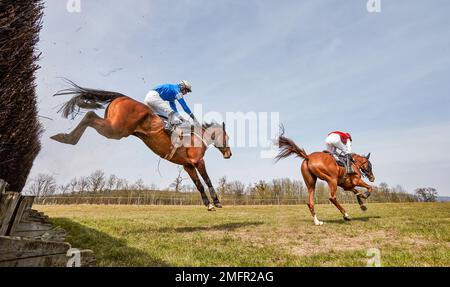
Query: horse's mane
{"points": [[207, 125]]}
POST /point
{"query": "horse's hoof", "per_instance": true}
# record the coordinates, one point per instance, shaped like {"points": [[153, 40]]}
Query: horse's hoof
{"points": [[363, 207], [59, 137], [347, 217], [218, 205], [211, 208], [62, 138], [319, 223]]}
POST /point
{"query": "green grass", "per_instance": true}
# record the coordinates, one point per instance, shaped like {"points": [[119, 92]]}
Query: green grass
{"points": [[409, 234]]}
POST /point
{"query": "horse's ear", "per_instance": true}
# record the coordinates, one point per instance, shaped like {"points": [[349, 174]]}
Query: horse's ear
{"points": [[223, 126], [368, 156]]}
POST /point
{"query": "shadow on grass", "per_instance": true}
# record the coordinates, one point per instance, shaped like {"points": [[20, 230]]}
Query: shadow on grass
{"points": [[342, 221], [226, 226], [108, 250]]}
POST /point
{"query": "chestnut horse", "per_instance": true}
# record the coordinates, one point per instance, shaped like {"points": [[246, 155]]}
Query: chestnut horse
{"points": [[125, 116], [323, 165]]}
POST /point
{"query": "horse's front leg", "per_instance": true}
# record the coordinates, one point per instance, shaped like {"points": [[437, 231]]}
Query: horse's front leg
{"points": [[202, 170], [360, 201], [333, 198], [369, 188], [194, 176]]}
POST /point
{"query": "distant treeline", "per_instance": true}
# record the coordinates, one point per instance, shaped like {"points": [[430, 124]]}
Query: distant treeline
{"points": [[97, 188]]}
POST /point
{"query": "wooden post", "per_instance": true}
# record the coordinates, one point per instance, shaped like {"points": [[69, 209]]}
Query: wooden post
{"points": [[8, 205], [28, 239], [3, 186], [25, 203]]}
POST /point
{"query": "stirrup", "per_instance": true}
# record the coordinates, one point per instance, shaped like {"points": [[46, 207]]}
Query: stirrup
{"points": [[349, 170]]}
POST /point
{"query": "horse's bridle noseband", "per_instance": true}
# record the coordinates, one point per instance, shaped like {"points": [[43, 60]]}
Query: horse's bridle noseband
{"points": [[364, 172]]}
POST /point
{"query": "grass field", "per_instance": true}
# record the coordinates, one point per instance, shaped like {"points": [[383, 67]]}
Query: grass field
{"points": [[410, 234]]}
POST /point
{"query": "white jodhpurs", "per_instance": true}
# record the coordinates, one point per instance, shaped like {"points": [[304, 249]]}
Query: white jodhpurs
{"points": [[158, 105], [334, 144]]}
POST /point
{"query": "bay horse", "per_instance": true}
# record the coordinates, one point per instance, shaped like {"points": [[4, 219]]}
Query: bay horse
{"points": [[323, 165], [125, 116]]}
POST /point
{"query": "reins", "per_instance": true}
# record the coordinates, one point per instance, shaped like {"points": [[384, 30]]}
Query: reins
{"points": [[364, 172]]}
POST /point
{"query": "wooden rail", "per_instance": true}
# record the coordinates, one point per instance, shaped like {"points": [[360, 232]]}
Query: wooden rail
{"points": [[28, 239]]}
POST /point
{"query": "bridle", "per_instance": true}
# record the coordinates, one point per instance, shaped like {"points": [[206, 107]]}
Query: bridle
{"points": [[364, 172], [224, 143], [224, 139]]}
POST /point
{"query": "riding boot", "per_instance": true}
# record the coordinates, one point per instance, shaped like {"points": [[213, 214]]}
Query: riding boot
{"points": [[167, 126], [349, 168]]}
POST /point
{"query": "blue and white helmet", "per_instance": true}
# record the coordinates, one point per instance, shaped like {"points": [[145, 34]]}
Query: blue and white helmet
{"points": [[185, 85]]}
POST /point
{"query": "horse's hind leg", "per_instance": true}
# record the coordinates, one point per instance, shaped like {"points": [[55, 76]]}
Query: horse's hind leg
{"points": [[333, 188], [102, 126], [202, 170], [310, 181]]}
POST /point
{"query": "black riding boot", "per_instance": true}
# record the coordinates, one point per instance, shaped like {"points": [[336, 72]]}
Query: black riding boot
{"points": [[349, 164]]}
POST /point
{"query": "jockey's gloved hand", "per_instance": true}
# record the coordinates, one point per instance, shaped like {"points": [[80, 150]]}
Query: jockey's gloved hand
{"points": [[176, 121], [194, 119]]}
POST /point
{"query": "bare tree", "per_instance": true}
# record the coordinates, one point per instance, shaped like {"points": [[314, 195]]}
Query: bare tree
{"points": [[139, 185], [261, 189], [111, 182], [426, 194], [178, 182], [222, 186], [73, 184], [236, 187], [97, 181], [42, 185], [122, 184], [82, 184], [63, 188]]}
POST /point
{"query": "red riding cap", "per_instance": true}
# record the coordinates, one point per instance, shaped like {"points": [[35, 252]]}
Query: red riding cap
{"points": [[344, 136]]}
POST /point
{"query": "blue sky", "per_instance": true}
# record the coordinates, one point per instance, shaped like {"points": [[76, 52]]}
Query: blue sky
{"points": [[323, 65]]}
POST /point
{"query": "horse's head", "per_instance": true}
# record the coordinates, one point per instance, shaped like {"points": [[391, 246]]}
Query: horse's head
{"points": [[365, 166], [219, 138]]}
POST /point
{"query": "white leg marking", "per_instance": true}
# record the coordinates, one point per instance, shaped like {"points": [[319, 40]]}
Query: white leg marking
{"points": [[317, 221]]}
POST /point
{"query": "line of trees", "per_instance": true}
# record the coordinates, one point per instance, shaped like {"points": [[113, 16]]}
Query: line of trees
{"points": [[44, 185], [101, 188]]}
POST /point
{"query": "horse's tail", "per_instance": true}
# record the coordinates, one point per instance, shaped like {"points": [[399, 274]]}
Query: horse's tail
{"points": [[84, 98], [288, 148]]}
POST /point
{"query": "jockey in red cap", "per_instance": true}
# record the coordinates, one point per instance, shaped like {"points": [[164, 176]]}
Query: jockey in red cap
{"points": [[340, 144]]}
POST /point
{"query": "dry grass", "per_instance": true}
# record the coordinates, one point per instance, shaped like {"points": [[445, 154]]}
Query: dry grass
{"points": [[409, 234]]}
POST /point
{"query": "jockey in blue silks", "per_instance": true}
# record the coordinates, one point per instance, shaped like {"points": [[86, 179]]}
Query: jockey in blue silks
{"points": [[162, 101]]}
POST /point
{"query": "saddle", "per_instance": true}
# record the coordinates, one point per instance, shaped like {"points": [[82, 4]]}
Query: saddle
{"points": [[186, 127], [186, 130], [340, 160], [168, 127]]}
